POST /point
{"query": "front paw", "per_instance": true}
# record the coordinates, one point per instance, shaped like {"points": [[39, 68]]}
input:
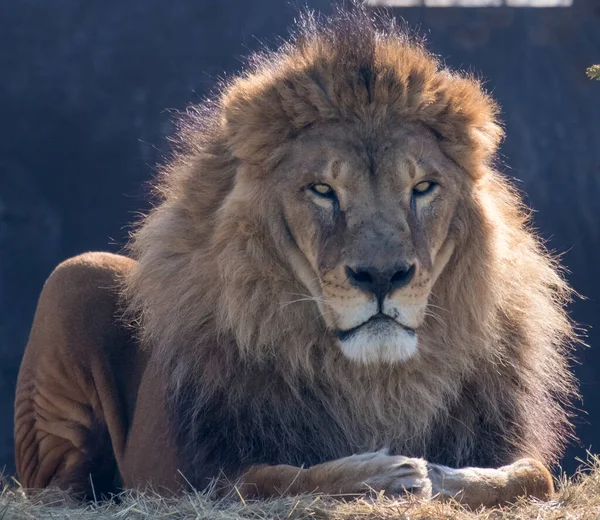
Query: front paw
{"points": [[491, 486], [397, 475], [373, 472]]}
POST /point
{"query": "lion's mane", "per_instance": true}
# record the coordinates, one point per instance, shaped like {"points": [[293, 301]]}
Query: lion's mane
{"points": [[211, 290]]}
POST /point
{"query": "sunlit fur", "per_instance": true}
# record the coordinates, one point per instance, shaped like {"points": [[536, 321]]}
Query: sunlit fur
{"points": [[216, 292]]}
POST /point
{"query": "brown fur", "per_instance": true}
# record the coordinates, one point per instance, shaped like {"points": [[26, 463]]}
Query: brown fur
{"points": [[209, 266], [254, 377]]}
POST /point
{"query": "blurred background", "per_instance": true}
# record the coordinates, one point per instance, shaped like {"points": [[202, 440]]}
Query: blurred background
{"points": [[88, 90]]}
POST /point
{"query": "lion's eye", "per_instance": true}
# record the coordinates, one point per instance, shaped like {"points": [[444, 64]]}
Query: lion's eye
{"points": [[423, 188], [323, 190]]}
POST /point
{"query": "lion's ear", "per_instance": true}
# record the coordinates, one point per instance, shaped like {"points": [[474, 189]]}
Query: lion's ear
{"points": [[251, 119], [259, 114], [262, 111], [466, 117], [486, 139], [472, 146]]}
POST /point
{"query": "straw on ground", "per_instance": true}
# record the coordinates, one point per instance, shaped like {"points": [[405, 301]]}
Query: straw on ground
{"points": [[577, 498]]}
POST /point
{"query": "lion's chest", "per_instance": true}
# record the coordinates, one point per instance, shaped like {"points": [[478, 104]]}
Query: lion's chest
{"points": [[299, 430]]}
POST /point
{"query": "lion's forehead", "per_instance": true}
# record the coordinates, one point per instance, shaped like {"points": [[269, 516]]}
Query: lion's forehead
{"points": [[351, 155]]}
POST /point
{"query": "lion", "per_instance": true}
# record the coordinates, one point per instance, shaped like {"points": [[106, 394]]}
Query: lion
{"points": [[336, 292]]}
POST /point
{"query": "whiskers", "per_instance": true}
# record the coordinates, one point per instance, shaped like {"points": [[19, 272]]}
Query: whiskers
{"points": [[303, 298], [306, 298], [434, 315]]}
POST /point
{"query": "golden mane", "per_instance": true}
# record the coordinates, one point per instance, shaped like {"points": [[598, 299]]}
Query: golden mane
{"points": [[211, 292]]}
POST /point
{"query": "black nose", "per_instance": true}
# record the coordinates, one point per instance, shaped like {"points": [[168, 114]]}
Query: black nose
{"points": [[381, 282]]}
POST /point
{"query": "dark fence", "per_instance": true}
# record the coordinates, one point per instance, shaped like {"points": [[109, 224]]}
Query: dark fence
{"points": [[87, 88]]}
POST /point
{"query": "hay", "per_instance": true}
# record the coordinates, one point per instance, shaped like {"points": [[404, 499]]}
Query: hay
{"points": [[577, 498]]}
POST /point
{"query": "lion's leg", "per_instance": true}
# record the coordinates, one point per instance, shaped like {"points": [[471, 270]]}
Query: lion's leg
{"points": [[71, 396], [349, 476], [394, 475], [489, 487]]}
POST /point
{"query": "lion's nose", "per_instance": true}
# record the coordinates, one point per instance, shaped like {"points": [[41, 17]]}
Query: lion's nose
{"points": [[380, 282]]}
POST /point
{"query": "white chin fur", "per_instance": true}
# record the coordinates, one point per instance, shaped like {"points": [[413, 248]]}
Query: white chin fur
{"points": [[377, 343]]}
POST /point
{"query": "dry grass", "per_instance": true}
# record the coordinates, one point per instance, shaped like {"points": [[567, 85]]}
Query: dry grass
{"points": [[578, 498]]}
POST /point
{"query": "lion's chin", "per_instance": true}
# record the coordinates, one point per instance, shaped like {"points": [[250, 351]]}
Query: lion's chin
{"points": [[381, 341]]}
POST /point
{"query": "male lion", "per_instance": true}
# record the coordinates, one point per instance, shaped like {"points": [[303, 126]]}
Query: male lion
{"points": [[336, 293]]}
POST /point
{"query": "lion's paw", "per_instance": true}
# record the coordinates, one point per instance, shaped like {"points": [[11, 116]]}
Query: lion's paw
{"points": [[377, 472], [396, 475]]}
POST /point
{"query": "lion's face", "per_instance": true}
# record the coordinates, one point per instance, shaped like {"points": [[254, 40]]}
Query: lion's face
{"points": [[369, 221]]}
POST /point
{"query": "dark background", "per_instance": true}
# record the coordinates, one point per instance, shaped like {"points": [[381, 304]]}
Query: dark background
{"points": [[88, 89]]}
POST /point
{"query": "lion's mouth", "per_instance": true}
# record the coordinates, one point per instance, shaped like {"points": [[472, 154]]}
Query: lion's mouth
{"points": [[376, 321]]}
